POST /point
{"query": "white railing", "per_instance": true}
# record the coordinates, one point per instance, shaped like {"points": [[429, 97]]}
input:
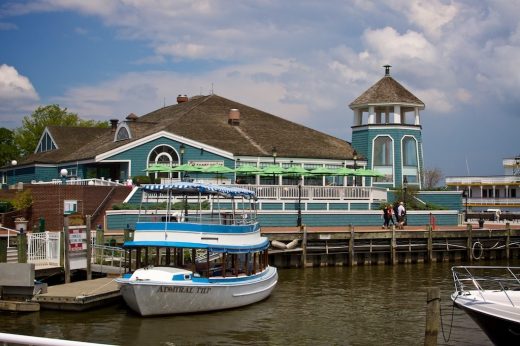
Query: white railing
{"points": [[107, 255], [90, 182], [44, 249], [291, 192], [9, 231], [493, 201], [498, 180]]}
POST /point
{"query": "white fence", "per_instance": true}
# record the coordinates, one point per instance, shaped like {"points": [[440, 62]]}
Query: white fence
{"points": [[44, 249]]}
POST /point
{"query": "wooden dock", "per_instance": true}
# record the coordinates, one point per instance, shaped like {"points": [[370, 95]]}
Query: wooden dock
{"points": [[80, 295]]}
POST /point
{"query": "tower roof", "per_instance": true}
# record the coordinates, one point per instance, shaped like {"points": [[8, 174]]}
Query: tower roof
{"points": [[386, 91]]}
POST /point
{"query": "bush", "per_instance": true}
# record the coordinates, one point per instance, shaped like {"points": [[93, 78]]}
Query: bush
{"points": [[141, 179], [22, 200], [5, 206]]}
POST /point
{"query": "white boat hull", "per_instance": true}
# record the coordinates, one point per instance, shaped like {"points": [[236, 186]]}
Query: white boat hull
{"points": [[190, 296]]}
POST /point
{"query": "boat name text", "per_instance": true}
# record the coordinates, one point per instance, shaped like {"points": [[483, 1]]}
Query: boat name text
{"points": [[180, 289]]}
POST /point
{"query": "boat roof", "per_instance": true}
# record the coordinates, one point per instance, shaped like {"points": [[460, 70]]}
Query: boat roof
{"points": [[193, 188]]}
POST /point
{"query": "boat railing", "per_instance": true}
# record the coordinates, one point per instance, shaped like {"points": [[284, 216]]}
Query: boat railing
{"points": [[222, 218], [486, 278]]}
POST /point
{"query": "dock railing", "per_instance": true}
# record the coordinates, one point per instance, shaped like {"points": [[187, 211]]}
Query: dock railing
{"points": [[44, 248]]}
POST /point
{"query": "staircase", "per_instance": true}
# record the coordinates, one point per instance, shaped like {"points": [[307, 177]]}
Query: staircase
{"points": [[12, 255]]}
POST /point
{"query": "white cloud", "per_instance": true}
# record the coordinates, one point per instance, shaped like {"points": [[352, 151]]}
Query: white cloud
{"points": [[15, 86]]}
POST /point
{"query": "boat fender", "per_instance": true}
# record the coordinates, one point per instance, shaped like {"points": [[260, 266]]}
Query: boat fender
{"points": [[278, 244], [293, 244]]}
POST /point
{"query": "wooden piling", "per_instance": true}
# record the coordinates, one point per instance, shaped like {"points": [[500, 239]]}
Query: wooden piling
{"points": [[469, 243], [66, 243], [430, 244], [508, 239], [351, 247], [393, 245], [431, 331], [304, 246], [89, 248]]}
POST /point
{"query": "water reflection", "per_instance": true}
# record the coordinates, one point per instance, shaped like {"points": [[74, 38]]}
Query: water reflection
{"points": [[364, 305]]}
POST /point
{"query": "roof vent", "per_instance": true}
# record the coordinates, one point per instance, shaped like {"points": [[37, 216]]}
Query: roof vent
{"points": [[131, 117], [182, 98], [387, 70], [234, 117], [113, 124]]}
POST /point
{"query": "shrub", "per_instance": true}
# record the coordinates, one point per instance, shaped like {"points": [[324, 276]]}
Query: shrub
{"points": [[22, 200], [5, 206]]}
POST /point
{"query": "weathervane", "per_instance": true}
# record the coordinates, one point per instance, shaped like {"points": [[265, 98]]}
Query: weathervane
{"points": [[516, 166]]}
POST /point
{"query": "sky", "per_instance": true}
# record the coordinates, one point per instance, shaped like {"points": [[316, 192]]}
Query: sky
{"points": [[305, 61]]}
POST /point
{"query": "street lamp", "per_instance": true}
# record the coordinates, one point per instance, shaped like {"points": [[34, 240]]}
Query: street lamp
{"points": [[516, 169], [14, 163], [299, 220], [182, 148], [465, 195], [354, 156], [63, 174], [274, 153], [405, 187]]}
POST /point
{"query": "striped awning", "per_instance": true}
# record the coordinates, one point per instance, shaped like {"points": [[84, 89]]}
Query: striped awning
{"points": [[190, 188]]}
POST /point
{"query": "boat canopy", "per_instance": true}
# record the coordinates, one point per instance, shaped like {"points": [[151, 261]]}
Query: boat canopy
{"points": [[191, 188], [262, 244]]}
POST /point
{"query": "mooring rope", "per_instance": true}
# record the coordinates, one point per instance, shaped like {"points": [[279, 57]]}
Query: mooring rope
{"points": [[451, 323], [98, 288]]}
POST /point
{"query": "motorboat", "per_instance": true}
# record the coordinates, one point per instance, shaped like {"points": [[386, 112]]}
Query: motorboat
{"points": [[491, 297], [202, 251]]}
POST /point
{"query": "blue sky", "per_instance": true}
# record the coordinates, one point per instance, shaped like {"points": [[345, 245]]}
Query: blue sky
{"points": [[301, 60]]}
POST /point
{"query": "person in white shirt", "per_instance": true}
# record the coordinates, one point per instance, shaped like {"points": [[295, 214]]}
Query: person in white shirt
{"points": [[401, 212]]}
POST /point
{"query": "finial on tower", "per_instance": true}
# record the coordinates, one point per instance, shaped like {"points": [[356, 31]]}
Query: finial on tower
{"points": [[387, 70]]}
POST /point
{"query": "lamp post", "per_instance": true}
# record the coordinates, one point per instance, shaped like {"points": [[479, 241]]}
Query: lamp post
{"points": [[63, 174], [182, 148], [354, 156], [14, 163], [274, 153], [465, 195], [405, 187], [299, 220]]}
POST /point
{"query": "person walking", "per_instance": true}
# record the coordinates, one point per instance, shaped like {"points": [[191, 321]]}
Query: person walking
{"points": [[386, 218], [401, 214], [390, 212]]}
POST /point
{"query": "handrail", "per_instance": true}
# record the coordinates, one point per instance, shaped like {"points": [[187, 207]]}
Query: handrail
{"points": [[103, 203], [9, 230], [465, 278]]}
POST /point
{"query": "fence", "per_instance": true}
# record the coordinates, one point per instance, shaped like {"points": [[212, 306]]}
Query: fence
{"points": [[44, 248]]}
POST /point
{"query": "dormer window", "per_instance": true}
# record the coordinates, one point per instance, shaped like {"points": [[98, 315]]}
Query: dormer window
{"points": [[122, 134], [46, 143]]}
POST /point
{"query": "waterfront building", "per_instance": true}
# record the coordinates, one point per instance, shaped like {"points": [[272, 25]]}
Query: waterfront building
{"points": [[500, 192], [387, 132]]}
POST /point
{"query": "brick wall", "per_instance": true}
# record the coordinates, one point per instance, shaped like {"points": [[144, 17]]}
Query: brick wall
{"points": [[48, 202]]}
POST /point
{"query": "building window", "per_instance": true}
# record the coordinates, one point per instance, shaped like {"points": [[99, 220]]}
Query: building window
{"points": [[164, 155], [384, 158], [410, 166], [122, 134], [46, 144], [513, 193], [70, 207]]}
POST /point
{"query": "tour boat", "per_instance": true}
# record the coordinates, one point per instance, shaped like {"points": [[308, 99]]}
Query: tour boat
{"points": [[194, 257], [491, 297]]}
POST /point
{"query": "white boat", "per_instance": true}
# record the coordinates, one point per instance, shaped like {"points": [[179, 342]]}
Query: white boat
{"points": [[491, 297], [203, 261]]}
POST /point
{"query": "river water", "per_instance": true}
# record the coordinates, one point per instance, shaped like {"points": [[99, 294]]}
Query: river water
{"points": [[365, 305]]}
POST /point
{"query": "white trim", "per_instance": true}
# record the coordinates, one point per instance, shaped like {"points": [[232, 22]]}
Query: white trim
{"points": [[45, 131], [119, 127], [393, 159], [129, 162], [383, 104], [167, 135], [407, 127], [416, 158]]}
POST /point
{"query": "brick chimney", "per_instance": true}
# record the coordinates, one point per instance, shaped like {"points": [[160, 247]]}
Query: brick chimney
{"points": [[234, 117], [113, 124], [182, 98]]}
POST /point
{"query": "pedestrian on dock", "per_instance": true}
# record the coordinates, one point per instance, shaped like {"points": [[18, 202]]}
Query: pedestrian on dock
{"points": [[390, 211], [386, 217], [401, 214]]}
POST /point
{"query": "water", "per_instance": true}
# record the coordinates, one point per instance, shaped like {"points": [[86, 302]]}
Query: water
{"points": [[366, 305]]}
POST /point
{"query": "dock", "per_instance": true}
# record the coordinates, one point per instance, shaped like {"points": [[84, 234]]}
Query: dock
{"points": [[80, 295]]}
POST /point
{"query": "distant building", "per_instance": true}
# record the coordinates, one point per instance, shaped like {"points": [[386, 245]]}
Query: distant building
{"points": [[491, 192]]}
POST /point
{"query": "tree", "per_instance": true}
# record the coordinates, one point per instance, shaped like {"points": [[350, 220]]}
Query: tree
{"points": [[8, 149], [27, 136], [432, 178]]}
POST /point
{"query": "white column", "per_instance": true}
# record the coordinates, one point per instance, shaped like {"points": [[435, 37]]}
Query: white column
{"points": [[417, 117], [397, 114], [371, 115], [358, 116]]}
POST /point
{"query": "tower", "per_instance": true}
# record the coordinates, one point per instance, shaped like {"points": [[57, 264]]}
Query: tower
{"points": [[387, 132]]}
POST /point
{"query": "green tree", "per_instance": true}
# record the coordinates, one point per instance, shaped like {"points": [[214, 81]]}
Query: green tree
{"points": [[27, 136], [8, 149]]}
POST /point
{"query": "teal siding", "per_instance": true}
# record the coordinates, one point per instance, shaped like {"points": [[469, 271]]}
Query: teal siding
{"points": [[272, 206], [317, 206]]}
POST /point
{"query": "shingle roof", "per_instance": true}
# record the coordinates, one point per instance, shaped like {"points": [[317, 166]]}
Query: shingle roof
{"points": [[386, 90], [204, 119]]}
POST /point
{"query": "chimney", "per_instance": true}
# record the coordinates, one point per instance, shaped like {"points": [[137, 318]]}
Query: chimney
{"points": [[113, 124], [234, 117], [182, 98], [387, 70]]}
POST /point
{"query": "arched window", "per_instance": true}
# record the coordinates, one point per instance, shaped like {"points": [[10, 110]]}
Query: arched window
{"points": [[383, 158], [410, 166], [122, 134], [164, 155]]}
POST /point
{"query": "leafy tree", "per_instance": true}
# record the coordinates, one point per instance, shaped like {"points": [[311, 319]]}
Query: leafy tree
{"points": [[29, 134], [8, 149]]}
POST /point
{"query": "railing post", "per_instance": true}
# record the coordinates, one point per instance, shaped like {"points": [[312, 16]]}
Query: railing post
{"points": [[100, 241], [89, 248]]}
